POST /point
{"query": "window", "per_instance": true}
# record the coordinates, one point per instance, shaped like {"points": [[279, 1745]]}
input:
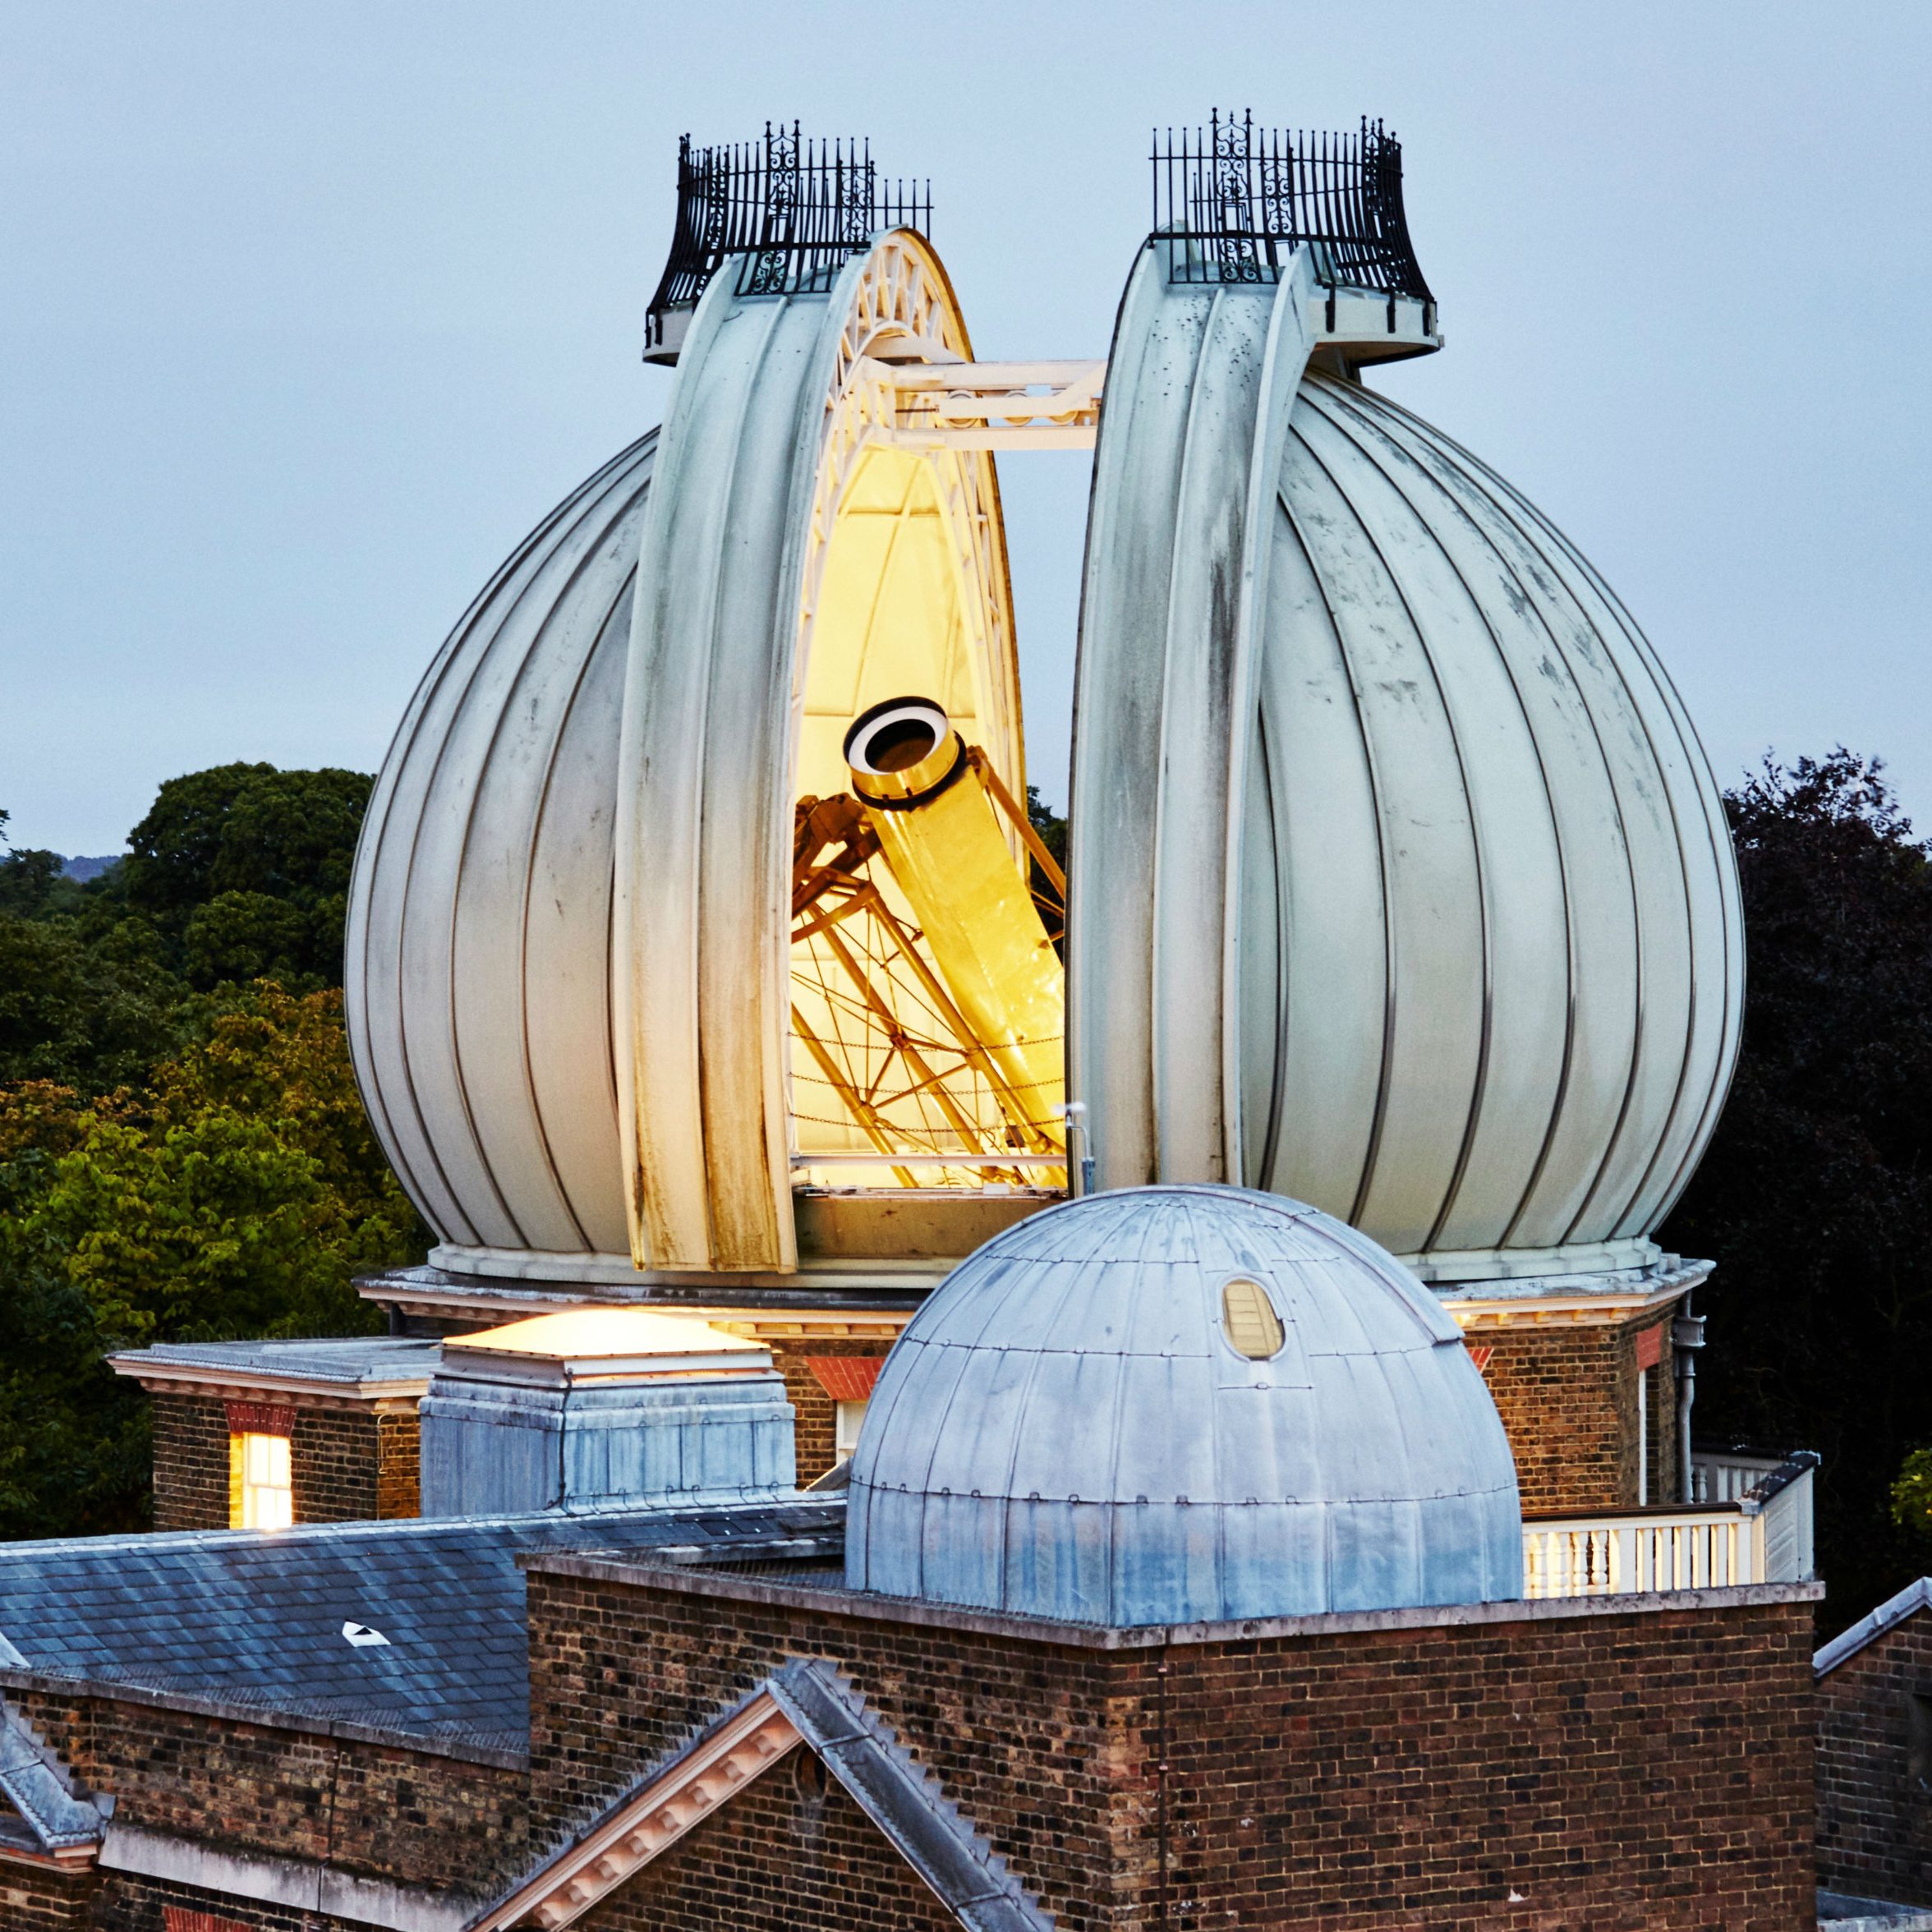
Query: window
{"points": [[261, 1488], [1918, 1741], [1249, 1319], [845, 1433]]}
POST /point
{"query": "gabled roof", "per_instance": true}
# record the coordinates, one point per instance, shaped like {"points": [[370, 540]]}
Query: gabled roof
{"points": [[808, 1704], [1894, 1611], [262, 1622], [48, 1821]]}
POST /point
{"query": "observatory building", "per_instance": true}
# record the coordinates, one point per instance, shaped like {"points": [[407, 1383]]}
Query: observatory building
{"points": [[965, 1380]]}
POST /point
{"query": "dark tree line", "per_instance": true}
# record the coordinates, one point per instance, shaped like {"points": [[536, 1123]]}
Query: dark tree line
{"points": [[1815, 1198], [182, 1154]]}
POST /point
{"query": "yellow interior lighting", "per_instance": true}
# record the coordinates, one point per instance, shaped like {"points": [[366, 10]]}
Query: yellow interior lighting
{"points": [[261, 1482], [589, 1334], [880, 1073]]}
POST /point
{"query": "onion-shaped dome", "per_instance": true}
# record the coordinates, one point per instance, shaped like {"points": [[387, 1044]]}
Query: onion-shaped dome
{"points": [[1180, 1403], [1469, 975], [477, 982]]}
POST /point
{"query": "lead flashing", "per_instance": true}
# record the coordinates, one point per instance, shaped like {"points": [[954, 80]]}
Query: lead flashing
{"points": [[690, 1581]]}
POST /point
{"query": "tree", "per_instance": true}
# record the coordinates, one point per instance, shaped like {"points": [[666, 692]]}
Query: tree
{"points": [[244, 871], [238, 1193], [92, 1016], [1816, 1193]]}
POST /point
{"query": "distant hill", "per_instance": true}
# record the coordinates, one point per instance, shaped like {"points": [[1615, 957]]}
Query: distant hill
{"points": [[84, 869]]}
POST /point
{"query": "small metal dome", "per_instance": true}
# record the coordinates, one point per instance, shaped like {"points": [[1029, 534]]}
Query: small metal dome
{"points": [[1175, 1404]]}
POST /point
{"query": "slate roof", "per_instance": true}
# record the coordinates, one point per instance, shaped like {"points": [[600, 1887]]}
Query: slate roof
{"points": [[254, 1620], [347, 1359]]}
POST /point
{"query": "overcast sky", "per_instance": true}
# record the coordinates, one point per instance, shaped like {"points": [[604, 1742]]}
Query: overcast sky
{"points": [[309, 312]]}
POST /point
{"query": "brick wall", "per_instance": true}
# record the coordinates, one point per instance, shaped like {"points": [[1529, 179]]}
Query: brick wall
{"points": [[1595, 1772], [333, 1455], [818, 1417], [349, 1464], [1649, 1770], [781, 1858], [33, 1898], [1567, 1395], [398, 1466], [143, 1905], [1875, 1790], [1019, 1734], [408, 1815], [190, 1461]]}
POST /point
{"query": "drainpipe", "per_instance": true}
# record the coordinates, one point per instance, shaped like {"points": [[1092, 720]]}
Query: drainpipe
{"points": [[1686, 1338], [1080, 1171]]}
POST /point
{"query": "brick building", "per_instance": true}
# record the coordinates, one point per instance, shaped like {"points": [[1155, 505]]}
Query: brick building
{"points": [[954, 1391]]}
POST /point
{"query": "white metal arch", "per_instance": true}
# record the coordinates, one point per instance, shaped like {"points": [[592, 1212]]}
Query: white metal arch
{"points": [[776, 398]]}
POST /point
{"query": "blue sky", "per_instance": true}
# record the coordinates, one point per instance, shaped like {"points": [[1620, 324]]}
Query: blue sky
{"points": [[309, 312]]}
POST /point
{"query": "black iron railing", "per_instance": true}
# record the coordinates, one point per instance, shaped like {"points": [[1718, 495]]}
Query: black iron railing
{"points": [[1244, 198], [794, 211]]}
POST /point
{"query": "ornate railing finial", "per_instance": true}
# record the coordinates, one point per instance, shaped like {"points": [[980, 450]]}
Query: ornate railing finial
{"points": [[795, 210], [1241, 199]]}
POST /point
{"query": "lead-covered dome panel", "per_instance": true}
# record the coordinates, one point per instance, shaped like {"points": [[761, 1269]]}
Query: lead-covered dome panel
{"points": [[1399, 883], [477, 984], [1170, 1405], [1491, 974]]}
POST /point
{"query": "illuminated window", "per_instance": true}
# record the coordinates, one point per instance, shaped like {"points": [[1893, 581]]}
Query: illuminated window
{"points": [[1248, 1318], [261, 1490], [851, 1418]]}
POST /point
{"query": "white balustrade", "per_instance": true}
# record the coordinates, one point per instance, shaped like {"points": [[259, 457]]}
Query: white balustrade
{"points": [[1751, 1524], [1617, 1555]]}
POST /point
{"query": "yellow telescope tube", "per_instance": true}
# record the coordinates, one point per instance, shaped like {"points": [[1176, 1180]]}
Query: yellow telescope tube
{"points": [[939, 832]]}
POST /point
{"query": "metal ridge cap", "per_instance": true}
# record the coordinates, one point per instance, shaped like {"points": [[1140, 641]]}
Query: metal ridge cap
{"points": [[1889, 1615], [299, 1533]]}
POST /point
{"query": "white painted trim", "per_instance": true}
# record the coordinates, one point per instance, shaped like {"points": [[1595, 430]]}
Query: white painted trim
{"points": [[208, 1378], [304, 1884], [657, 1817]]}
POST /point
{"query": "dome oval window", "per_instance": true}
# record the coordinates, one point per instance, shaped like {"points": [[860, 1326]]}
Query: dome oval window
{"points": [[1248, 1320]]}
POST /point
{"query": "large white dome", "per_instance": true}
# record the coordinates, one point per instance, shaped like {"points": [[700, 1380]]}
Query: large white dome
{"points": [[478, 958], [1400, 882]]}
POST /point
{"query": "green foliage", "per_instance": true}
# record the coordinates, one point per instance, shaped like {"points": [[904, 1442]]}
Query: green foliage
{"points": [[1049, 824], [244, 871], [93, 1015], [183, 1155], [1816, 1192], [1912, 1500], [237, 1194]]}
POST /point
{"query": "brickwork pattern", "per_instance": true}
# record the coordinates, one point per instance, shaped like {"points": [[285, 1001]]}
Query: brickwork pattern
{"points": [[1875, 1802], [1613, 1771], [398, 1466], [816, 1429], [369, 1808], [349, 1464], [35, 1899], [191, 1435], [333, 1455], [1647, 1772], [1018, 1733], [780, 1857], [1567, 1395], [130, 1904]]}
